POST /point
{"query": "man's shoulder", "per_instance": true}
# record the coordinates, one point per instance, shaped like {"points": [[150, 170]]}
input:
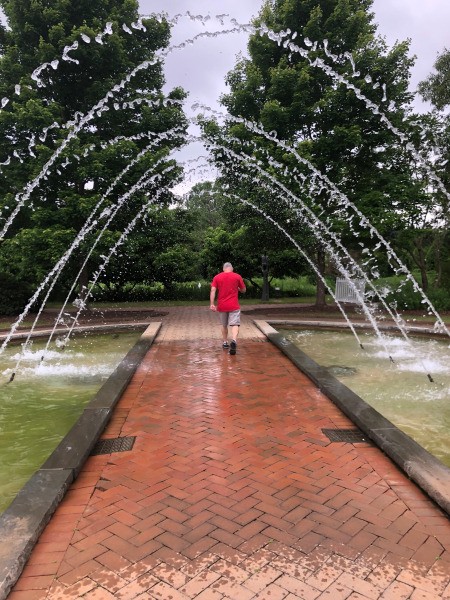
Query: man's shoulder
{"points": [[224, 276], [235, 276]]}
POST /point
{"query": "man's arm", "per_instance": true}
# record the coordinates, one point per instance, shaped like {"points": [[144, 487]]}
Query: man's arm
{"points": [[242, 287], [212, 296]]}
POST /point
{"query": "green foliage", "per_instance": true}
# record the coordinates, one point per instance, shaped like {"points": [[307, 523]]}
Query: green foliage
{"points": [[130, 292], [321, 119], [436, 87], [436, 127], [32, 252], [288, 287], [402, 294], [205, 203], [161, 249], [220, 246], [440, 298], [404, 297], [14, 294], [43, 115]]}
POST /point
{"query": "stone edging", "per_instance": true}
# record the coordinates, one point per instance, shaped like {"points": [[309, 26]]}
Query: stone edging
{"points": [[420, 466], [24, 520], [44, 333]]}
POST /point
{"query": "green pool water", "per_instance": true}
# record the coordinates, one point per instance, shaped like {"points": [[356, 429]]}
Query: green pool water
{"points": [[399, 390], [46, 397]]}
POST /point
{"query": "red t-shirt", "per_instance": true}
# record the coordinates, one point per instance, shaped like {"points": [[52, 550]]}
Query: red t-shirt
{"points": [[227, 284]]}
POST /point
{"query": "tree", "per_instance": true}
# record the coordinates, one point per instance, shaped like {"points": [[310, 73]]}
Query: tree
{"points": [[431, 242], [322, 119], [162, 249], [102, 43], [436, 87], [206, 201], [220, 237]]}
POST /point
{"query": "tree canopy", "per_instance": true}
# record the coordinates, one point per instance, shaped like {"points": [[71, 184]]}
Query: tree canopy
{"points": [[316, 80], [84, 120], [436, 87], [319, 146]]}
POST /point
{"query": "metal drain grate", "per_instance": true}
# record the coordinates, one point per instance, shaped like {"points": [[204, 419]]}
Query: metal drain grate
{"points": [[351, 436], [120, 444]]}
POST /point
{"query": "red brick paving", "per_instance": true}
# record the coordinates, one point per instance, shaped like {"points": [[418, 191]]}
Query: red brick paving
{"points": [[232, 491]]}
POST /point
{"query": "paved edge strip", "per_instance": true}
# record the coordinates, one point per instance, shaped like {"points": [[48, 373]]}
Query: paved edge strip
{"points": [[429, 473], [24, 520], [417, 330], [44, 333]]}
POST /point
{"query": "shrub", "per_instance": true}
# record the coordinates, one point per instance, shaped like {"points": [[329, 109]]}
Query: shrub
{"points": [[151, 292], [440, 298], [198, 290], [403, 296], [14, 294], [288, 287], [300, 287]]}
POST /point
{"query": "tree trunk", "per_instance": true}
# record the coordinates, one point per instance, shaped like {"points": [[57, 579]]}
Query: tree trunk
{"points": [[320, 290]]}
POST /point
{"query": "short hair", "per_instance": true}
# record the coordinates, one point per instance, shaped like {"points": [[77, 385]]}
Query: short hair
{"points": [[227, 265]]}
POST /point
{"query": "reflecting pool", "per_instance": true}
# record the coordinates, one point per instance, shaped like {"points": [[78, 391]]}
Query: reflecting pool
{"points": [[399, 390], [46, 397]]}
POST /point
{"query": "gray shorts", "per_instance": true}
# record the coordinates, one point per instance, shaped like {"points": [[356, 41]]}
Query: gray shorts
{"points": [[228, 319]]}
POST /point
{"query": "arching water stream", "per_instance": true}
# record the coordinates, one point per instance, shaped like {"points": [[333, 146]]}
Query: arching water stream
{"points": [[264, 172], [320, 182]]}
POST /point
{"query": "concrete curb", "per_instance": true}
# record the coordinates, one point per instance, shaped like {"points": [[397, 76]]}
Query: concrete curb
{"points": [[24, 520], [419, 465], [38, 333], [416, 330]]}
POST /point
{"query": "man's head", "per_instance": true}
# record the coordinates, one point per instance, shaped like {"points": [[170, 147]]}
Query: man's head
{"points": [[227, 267]]}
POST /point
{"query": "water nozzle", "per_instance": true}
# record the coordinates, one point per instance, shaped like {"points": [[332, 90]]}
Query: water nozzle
{"points": [[391, 359], [430, 378], [12, 377], [361, 346]]}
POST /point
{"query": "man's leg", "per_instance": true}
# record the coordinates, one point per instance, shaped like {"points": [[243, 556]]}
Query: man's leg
{"points": [[234, 322], [224, 328], [225, 333]]}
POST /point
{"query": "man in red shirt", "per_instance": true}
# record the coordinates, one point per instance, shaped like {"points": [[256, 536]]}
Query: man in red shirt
{"points": [[228, 285]]}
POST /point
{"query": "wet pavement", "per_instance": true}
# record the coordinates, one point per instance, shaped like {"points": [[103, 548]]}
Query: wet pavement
{"points": [[233, 491]]}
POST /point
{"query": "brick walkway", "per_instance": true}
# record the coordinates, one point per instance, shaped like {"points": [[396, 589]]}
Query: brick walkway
{"points": [[232, 491]]}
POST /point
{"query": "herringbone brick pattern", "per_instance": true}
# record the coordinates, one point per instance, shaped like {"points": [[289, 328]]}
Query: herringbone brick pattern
{"points": [[232, 491]]}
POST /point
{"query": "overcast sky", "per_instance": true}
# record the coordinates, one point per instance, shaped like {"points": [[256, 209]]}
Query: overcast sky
{"points": [[201, 67]]}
